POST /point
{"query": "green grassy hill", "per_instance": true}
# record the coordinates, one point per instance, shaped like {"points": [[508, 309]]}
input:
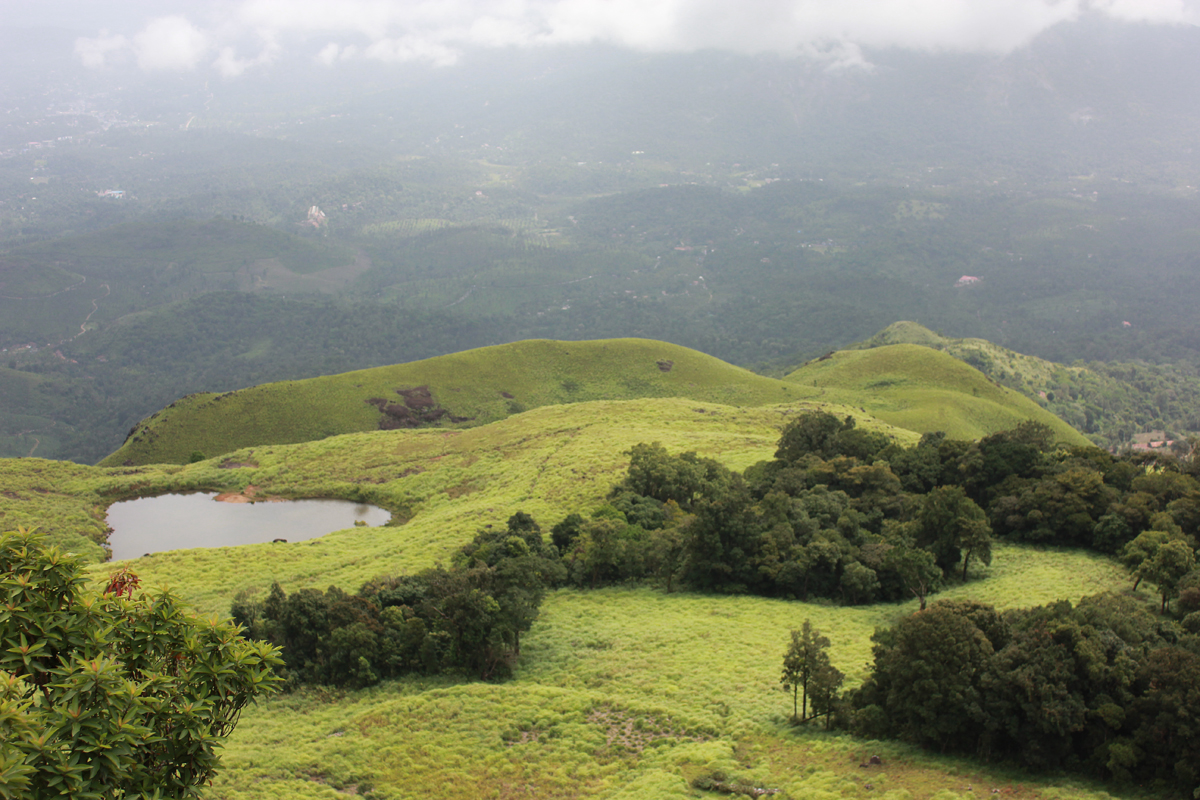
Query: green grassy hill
{"points": [[621, 693], [466, 389], [1027, 374], [1110, 402], [629, 694], [912, 386], [908, 386]]}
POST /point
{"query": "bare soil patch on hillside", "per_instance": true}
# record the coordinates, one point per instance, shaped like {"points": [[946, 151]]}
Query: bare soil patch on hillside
{"points": [[417, 409]]}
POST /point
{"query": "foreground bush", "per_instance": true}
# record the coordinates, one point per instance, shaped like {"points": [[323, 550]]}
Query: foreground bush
{"points": [[115, 693]]}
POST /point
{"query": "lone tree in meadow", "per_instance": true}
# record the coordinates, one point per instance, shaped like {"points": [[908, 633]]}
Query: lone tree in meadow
{"points": [[113, 693], [807, 671]]}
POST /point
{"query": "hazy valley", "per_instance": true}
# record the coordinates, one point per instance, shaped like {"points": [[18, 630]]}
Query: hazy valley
{"points": [[466, 284]]}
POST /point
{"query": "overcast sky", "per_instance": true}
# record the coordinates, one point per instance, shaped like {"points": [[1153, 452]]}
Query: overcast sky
{"points": [[233, 37]]}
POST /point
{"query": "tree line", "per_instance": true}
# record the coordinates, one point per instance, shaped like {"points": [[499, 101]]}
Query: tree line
{"points": [[846, 513], [1104, 687], [467, 618]]}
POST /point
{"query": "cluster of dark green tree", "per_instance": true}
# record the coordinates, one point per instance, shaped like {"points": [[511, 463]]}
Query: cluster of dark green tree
{"points": [[467, 618], [845, 512], [1105, 687], [828, 517], [113, 693]]}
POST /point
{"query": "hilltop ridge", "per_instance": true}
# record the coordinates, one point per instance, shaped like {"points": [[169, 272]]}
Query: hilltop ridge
{"points": [[912, 387], [916, 387], [461, 390]]}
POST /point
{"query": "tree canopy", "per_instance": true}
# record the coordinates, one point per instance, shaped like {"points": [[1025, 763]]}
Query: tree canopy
{"points": [[113, 693]]}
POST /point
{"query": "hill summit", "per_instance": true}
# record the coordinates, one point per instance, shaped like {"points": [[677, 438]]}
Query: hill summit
{"points": [[913, 387]]}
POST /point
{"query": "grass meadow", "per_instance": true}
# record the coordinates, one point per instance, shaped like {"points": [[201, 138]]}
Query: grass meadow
{"points": [[620, 693], [633, 693], [448, 484]]}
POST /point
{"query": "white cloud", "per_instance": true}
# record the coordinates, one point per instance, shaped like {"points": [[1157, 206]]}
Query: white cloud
{"points": [[436, 31], [171, 43], [412, 48], [784, 26], [93, 52], [230, 65], [837, 56], [1161, 11], [329, 54]]}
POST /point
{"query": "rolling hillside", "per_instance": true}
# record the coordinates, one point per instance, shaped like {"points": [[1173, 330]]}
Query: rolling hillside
{"points": [[465, 389], [915, 387], [1110, 402], [621, 693], [911, 387], [443, 485]]}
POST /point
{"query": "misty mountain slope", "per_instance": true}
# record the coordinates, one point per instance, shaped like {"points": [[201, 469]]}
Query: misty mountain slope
{"points": [[50, 289], [1081, 95], [760, 208], [776, 273]]}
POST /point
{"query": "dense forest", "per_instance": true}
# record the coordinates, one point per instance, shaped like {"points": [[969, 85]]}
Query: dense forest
{"points": [[768, 277], [846, 514], [1103, 687]]}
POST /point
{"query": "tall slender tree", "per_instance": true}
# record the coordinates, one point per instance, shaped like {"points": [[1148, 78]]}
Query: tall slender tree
{"points": [[806, 659]]}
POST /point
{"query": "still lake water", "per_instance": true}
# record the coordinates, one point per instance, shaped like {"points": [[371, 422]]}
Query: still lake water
{"points": [[178, 521]]}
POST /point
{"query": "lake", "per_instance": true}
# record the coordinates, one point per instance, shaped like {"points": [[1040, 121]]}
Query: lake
{"points": [[179, 521]]}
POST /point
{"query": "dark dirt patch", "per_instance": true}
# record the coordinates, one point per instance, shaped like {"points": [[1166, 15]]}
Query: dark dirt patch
{"points": [[418, 410], [717, 783], [506, 395], [12, 495], [231, 464], [665, 365], [417, 398], [463, 489], [385, 478], [522, 736]]}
